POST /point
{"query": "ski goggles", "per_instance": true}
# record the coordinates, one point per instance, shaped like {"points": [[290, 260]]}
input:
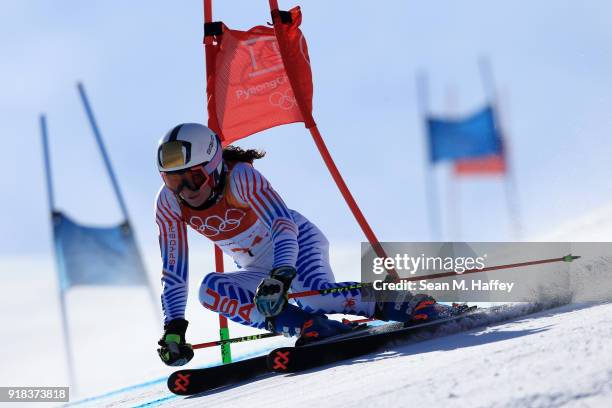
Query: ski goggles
{"points": [[192, 178], [171, 155]]}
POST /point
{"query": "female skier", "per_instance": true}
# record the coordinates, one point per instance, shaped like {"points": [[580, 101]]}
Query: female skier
{"points": [[219, 194]]}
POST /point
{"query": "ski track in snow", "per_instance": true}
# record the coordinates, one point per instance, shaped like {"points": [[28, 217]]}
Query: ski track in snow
{"points": [[557, 357]]}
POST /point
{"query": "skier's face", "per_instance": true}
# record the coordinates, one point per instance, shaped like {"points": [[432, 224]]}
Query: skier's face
{"points": [[198, 197], [194, 185]]}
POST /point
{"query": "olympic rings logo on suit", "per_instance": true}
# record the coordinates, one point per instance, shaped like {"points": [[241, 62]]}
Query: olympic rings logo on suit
{"points": [[213, 225]]}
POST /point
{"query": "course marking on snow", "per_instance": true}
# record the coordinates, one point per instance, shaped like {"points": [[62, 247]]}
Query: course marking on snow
{"points": [[116, 392], [150, 383], [157, 401]]}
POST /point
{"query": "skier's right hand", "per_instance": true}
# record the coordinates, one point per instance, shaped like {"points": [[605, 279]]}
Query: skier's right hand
{"points": [[174, 351], [271, 294]]}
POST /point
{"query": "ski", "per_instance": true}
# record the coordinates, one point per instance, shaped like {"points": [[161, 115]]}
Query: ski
{"points": [[287, 359], [198, 380], [292, 359]]}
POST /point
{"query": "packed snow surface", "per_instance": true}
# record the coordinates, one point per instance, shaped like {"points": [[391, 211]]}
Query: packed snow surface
{"points": [[558, 357]]}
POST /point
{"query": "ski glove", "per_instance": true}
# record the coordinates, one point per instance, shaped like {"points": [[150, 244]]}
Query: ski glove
{"points": [[174, 351], [271, 294]]}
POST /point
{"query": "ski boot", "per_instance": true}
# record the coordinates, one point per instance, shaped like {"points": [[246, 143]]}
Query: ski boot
{"points": [[419, 308], [320, 327], [309, 327]]}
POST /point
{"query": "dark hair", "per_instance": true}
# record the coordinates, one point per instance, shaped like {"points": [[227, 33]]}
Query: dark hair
{"points": [[238, 154]]}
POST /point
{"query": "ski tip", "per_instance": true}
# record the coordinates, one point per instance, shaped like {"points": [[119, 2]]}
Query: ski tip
{"points": [[279, 360], [179, 381]]}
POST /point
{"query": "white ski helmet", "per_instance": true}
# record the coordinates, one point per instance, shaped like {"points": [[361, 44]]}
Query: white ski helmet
{"points": [[187, 145], [191, 155]]}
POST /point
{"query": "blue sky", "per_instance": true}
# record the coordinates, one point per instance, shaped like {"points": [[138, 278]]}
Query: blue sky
{"points": [[142, 64]]}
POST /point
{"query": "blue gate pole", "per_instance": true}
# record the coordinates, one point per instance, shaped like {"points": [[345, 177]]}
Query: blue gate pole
{"points": [[430, 178], [45, 143], [109, 168], [61, 282], [107, 163], [488, 83]]}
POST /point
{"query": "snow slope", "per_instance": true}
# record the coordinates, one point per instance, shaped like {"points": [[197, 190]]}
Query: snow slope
{"points": [[554, 358], [559, 357]]}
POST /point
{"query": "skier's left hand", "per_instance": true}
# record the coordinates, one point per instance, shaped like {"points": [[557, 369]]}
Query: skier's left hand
{"points": [[271, 294], [174, 351]]}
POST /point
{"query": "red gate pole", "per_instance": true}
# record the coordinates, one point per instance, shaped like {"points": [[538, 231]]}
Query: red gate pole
{"points": [[226, 351], [327, 158], [346, 193]]}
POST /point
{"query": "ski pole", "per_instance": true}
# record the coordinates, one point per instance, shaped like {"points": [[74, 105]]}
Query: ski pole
{"points": [[566, 258], [233, 340], [259, 336]]}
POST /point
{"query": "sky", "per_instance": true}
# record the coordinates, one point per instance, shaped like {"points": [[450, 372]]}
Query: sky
{"points": [[142, 64]]}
